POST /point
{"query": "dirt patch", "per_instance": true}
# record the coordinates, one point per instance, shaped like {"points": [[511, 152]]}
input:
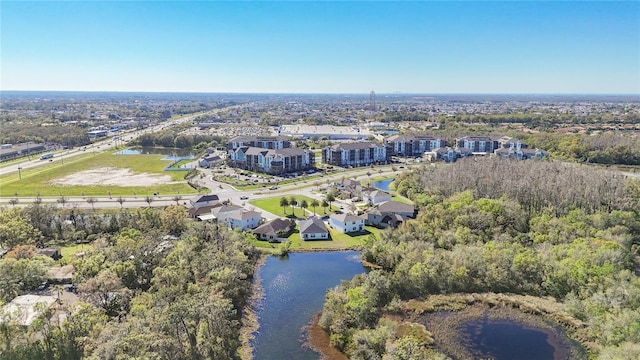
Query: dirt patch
{"points": [[318, 341], [112, 177]]}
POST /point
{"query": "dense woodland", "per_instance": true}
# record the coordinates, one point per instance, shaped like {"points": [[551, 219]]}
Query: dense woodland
{"points": [[534, 228], [143, 295]]}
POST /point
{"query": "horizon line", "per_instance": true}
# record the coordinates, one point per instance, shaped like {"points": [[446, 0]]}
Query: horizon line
{"points": [[327, 93]]}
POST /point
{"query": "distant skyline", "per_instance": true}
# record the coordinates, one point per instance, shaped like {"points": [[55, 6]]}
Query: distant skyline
{"points": [[514, 47]]}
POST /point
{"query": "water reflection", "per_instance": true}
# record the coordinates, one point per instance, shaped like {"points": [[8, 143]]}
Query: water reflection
{"points": [[505, 339], [294, 290]]}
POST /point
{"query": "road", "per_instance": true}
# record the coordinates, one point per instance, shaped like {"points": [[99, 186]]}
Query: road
{"points": [[97, 146], [223, 190]]}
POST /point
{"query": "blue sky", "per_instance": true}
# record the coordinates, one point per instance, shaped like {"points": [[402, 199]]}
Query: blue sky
{"points": [[322, 47]]}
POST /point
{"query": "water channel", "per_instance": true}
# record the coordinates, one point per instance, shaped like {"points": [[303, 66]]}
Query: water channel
{"points": [[294, 291]]}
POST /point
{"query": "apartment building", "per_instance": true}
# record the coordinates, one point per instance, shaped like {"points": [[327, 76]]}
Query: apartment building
{"points": [[270, 161], [354, 154], [412, 145], [478, 145], [265, 142]]}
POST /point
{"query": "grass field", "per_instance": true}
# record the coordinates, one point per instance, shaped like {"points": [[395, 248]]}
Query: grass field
{"points": [[272, 205], [38, 180]]}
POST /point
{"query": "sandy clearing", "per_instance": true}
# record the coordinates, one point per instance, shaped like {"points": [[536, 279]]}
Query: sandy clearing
{"points": [[112, 177]]}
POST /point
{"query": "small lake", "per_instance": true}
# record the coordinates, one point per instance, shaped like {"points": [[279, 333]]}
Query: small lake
{"points": [[506, 339], [383, 184], [172, 154], [294, 291]]}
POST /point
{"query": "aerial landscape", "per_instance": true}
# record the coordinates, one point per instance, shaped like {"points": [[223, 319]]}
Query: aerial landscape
{"points": [[320, 180]]}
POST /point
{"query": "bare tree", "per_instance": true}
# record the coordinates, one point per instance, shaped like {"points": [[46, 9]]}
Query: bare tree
{"points": [[121, 201], [177, 199], [148, 200], [13, 201], [92, 201], [62, 200]]}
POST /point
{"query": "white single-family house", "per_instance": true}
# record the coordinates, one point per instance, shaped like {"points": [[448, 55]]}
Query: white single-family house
{"points": [[245, 220], [375, 197], [346, 223]]}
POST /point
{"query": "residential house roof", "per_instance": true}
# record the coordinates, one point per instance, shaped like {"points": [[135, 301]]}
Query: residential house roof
{"points": [[312, 226], [345, 218], [197, 211], [395, 206], [204, 199], [246, 215], [273, 227], [225, 208]]}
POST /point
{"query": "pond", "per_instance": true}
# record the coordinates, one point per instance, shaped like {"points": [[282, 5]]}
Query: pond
{"points": [[383, 184], [508, 339], [294, 291], [173, 153]]}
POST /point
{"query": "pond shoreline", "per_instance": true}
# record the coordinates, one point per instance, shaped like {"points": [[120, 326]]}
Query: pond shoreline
{"points": [[445, 317]]}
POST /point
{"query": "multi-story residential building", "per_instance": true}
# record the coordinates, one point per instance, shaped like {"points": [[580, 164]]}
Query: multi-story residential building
{"points": [[265, 142], [360, 153], [272, 161], [477, 144], [412, 145], [506, 142]]}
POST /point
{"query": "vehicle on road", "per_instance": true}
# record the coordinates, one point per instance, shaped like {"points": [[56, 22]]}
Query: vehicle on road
{"points": [[244, 197], [46, 156], [273, 188]]}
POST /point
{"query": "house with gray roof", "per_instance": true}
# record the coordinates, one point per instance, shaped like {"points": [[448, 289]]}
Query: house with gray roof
{"points": [[346, 223], [275, 230], [313, 229], [390, 213]]}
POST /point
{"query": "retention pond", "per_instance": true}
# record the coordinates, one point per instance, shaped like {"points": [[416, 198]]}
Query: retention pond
{"points": [[294, 290]]}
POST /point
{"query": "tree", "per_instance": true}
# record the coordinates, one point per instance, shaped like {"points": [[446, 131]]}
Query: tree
{"points": [[324, 204], [330, 198], [13, 201], [293, 202], [304, 205], [92, 201], [314, 205], [177, 199], [121, 201], [16, 229], [174, 219], [284, 203], [100, 290], [62, 200], [148, 199]]}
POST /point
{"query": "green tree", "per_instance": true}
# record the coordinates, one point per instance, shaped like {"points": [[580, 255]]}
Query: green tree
{"points": [[293, 202], [174, 219], [314, 204], [284, 203], [304, 205], [16, 229]]}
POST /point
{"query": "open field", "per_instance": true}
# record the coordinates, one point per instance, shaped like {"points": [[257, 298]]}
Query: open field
{"points": [[97, 174]]}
